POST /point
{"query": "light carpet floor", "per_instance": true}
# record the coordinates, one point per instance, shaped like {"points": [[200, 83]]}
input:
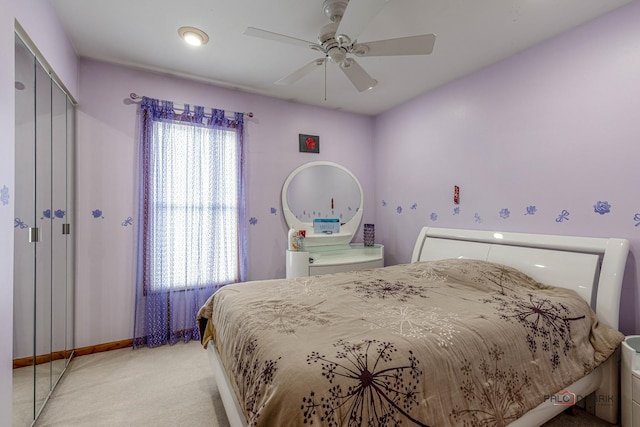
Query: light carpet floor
{"points": [[168, 386]]}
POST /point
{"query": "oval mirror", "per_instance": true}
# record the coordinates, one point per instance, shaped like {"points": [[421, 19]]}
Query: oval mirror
{"points": [[322, 190]]}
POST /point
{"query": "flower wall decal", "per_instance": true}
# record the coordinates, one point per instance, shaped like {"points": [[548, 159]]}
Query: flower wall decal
{"points": [[253, 220], [127, 222], [531, 210], [602, 207], [504, 213], [4, 195], [97, 213]]}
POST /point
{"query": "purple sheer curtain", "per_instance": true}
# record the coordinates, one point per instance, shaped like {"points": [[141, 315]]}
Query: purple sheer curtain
{"points": [[191, 218]]}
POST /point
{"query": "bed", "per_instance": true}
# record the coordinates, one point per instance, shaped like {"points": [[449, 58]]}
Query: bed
{"points": [[469, 333]]}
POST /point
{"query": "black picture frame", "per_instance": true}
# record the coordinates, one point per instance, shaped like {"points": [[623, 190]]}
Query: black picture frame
{"points": [[309, 143]]}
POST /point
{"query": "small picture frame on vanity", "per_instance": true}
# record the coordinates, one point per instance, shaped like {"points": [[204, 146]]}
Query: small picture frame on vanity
{"points": [[309, 143]]}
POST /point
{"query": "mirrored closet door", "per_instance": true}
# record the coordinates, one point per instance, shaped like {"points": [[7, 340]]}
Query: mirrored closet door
{"points": [[43, 249]]}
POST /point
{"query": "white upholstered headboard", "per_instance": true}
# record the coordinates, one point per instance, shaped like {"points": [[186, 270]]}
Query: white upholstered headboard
{"points": [[593, 267]]}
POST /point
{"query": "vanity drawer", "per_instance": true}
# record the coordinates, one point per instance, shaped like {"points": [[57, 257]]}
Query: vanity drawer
{"points": [[635, 415], [339, 268], [635, 384]]}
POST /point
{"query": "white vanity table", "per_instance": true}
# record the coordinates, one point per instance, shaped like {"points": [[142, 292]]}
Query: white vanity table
{"points": [[326, 190]]}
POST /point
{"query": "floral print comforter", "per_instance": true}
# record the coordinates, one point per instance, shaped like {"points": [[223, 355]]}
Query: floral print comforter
{"points": [[441, 343]]}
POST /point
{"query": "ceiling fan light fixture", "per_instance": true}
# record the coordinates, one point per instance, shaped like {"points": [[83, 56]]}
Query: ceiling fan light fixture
{"points": [[193, 36], [337, 55]]}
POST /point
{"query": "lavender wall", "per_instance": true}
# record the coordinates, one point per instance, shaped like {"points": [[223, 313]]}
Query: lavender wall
{"points": [[534, 142], [106, 181], [7, 169]]}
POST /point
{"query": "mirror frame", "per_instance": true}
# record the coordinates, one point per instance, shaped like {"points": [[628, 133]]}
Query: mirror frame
{"points": [[347, 230]]}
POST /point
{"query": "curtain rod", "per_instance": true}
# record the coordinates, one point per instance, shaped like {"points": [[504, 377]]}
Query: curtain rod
{"points": [[136, 97]]}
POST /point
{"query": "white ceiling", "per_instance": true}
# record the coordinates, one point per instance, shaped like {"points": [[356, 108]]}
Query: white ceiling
{"points": [[470, 34]]}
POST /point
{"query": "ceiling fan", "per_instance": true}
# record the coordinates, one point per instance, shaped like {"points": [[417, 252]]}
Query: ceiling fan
{"points": [[338, 41]]}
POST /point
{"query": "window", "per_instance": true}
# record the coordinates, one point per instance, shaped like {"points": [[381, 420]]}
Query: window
{"points": [[195, 205]]}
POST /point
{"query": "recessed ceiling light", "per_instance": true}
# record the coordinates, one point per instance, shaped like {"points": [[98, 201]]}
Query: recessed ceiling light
{"points": [[193, 36]]}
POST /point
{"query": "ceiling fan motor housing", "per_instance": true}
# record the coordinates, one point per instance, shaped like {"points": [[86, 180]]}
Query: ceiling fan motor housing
{"points": [[334, 9], [331, 47], [326, 36]]}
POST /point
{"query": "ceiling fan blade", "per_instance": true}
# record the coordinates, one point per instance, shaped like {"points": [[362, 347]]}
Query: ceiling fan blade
{"points": [[358, 76], [356, 17], [301, 72], [415, 45], [264, 34]]}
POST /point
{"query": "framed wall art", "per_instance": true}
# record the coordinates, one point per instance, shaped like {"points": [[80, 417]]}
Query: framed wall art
{"points": [[309, 143]]}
